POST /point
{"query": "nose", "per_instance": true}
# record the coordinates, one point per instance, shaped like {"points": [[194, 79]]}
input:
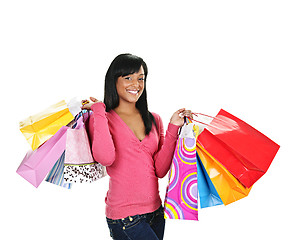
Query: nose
{"points": [[135, 82]]}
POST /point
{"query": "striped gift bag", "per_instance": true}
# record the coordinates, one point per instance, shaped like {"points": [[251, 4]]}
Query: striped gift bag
{"points": [[56, 175]]}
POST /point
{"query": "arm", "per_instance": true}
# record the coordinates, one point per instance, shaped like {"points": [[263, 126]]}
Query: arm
{"points": [[103, 149], [164, 155]]}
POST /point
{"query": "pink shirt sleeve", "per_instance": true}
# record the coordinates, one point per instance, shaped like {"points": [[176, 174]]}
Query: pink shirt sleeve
{"points": [[164, 155], [100, 136]]}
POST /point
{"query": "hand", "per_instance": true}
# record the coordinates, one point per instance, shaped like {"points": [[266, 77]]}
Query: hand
{"points": [[178, 117], [87, 105]]}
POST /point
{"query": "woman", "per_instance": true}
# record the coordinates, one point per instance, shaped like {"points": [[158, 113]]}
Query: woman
{"points": [[130, 142]]}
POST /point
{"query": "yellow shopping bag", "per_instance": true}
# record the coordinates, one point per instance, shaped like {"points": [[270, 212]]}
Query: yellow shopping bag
{"points": [[227, 186], [40, 127]]}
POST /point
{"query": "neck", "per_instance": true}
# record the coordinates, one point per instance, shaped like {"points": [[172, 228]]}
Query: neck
{"points": [[126, 108]]}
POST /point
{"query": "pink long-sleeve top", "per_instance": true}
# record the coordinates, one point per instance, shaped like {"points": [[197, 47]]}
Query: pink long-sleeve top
{"points": [[134, 166]]}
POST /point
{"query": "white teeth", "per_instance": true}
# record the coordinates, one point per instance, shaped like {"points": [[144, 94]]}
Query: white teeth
{"points": [[133, 91]]}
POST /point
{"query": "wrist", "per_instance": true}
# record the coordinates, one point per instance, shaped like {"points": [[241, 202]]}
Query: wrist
{"points": [[98, 107], [173, 129], [176, 123]]}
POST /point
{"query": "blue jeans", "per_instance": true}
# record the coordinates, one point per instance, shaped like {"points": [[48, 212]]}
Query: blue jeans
{"points": [[148, 226]]}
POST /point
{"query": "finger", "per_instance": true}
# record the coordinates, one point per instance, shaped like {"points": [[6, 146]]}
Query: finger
{"points": [[190, 116], [93, 99], [86, 106], [180, 110], [188, 113]]}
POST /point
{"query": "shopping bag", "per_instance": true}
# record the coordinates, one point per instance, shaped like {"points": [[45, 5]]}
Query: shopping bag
{"points": [[79, 165], [242, 149], [56, 175], [38, 163], [181, 201], [40, 127], [209, 197], [228, 187]]}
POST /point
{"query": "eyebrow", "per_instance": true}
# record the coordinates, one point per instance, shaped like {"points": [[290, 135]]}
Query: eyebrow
{"points": [[142, 74]]}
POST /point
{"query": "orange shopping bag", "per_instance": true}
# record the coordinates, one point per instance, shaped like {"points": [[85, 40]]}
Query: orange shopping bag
{"points": [[227, 186]]}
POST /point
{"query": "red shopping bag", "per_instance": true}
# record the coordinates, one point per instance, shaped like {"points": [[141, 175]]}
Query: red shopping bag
{"points": [[240, 148]]}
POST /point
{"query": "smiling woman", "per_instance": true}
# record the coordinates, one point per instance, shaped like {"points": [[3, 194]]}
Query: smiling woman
{"points": [[130, 141]]}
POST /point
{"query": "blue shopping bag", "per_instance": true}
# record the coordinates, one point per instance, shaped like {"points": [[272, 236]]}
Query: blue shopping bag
{"points": [[207, 192]]}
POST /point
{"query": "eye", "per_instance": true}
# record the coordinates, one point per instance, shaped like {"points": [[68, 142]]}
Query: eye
{"points": [[141, 79], [128, 78]]}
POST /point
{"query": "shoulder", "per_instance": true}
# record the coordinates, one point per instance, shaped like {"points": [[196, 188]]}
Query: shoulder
{"points": [[156, 116], [158, 119]]}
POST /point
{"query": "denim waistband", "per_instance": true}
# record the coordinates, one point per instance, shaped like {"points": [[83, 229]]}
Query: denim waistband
{"points": [[132, 218]]}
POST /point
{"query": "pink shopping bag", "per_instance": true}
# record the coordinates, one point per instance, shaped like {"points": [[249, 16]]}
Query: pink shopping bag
{"points": [[38, 163], [181, 200], [79, 165]]}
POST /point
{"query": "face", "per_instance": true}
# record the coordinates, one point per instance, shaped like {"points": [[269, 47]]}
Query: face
{"points": [[130, 87]]}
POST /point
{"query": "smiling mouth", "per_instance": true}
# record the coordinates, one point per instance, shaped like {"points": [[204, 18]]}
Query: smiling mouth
{"points": [[134, 92]]}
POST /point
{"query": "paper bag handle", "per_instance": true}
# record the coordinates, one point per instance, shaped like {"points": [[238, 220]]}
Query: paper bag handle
{"points": [[207, 124]]}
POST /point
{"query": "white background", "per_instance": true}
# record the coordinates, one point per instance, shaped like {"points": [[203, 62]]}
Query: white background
{"points": [[202, 55]]}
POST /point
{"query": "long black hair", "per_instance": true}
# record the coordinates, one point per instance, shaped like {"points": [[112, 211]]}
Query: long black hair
{"points": [[123, 65]]}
